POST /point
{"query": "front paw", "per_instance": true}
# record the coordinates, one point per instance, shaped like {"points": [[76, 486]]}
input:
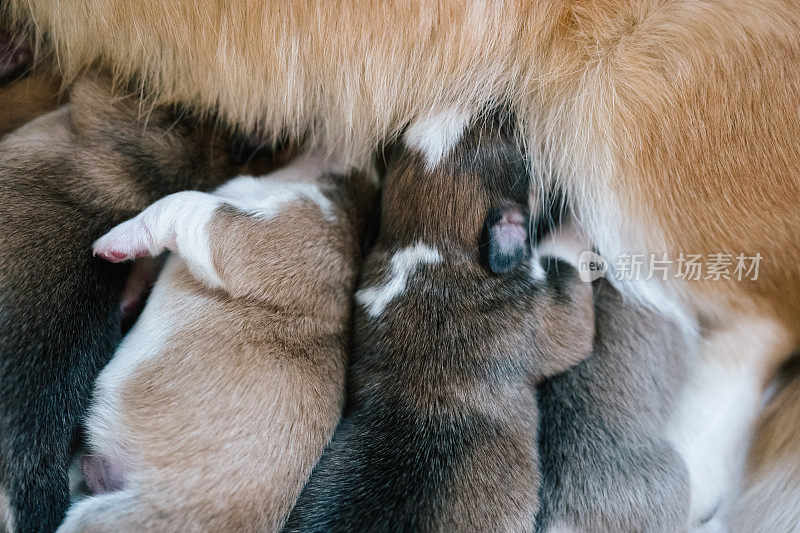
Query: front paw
{"points": [[130, 240]]}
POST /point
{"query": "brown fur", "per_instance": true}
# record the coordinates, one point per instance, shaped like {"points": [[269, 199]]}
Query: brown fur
{"points": [[65, 179], [671, 125], [27, 98], [223, 423]]}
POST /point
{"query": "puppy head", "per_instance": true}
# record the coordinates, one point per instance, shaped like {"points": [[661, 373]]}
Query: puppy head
{"points": [[473, 203], [505, 241]]}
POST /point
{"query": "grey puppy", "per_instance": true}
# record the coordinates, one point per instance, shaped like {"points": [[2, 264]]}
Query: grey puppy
{"points": [[606, 464]]}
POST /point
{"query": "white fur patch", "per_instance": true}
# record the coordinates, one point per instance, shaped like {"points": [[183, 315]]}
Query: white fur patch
{"points": [[404, 262], [537, 271], [145, 341], [436, 134], [712, 424], [6, 516], [99, 511], [265, 195]]}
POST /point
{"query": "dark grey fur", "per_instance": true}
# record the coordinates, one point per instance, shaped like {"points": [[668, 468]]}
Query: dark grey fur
{"points": [[606, 465], [64, 181]]}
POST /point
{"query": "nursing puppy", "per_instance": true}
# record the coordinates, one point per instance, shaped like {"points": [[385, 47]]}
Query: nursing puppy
{"points": [[606, 462], [455, 327], [670, 126], [65, 179], [220, 400]]}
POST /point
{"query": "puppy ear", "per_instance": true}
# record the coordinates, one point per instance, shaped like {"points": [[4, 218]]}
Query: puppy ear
{"points": [[505, 241]]}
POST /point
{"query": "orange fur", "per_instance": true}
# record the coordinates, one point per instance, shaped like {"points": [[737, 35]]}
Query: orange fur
{"points": [[673, 126]]}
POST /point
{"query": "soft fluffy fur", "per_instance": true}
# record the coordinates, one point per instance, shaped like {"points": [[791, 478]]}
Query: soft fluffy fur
{"points": [[24, 95], [65, 179], [773, 477], [671, 125], [220, 400], [25, 99], [606, 462], [441, 425]]}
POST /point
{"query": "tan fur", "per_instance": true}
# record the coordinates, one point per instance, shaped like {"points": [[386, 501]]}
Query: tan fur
{"points": [[769, 501], [672, 125], [224, 423]]}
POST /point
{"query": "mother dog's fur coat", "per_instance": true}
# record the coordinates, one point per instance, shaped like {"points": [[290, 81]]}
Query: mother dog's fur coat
{"points": [[672, 126]]}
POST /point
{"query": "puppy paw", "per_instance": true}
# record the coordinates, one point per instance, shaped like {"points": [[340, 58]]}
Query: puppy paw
{"points": [[130, 240]]}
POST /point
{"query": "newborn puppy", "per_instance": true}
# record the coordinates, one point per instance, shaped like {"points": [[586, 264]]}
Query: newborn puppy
{"points": [[220, 400], [65, 179], [454, 329], [606, 463]]}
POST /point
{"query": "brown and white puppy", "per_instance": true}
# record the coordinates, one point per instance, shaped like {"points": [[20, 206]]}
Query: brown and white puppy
{"points": [[455, 327], [65, 179], [670, 126], [220, 400]]}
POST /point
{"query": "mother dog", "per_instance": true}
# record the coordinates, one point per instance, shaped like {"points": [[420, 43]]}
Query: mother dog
{"points": [[673, 126]]}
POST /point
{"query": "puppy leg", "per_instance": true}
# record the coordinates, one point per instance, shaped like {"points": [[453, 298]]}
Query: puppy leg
{"points": [[712, 424], [177, 223], [180, 223]]}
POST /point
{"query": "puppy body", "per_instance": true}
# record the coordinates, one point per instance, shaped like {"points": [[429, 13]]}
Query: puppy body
{"points": [[671, 127], [606, 462], [65, 179], [220, 400], [440, 430]]}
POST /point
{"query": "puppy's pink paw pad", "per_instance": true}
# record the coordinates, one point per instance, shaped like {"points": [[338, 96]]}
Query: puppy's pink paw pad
{"points": [[125, 242], [113, 255]]}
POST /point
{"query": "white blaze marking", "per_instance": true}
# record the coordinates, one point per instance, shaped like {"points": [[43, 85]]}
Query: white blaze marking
{"points": [[404, 262], [436, 134]]}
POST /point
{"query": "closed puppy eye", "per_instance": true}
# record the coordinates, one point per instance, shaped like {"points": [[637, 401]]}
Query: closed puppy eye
{"points": [[505, 239]]}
